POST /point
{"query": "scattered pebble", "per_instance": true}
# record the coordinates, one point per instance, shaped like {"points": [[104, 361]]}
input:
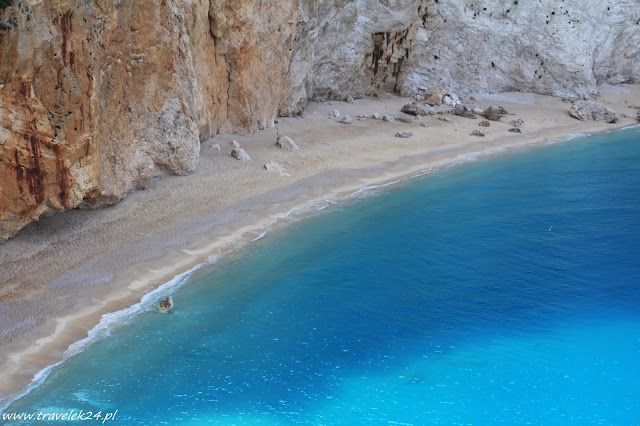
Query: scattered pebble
{"points": [[376, 116], [272, 166], [346, 120], [404, 135], [445, 119], [515, 130], [404, 119], [216, 147], [388, 118], [424, 124], [484, 123], [350, 99], [479, 133], [517, 123], [335, 113]]}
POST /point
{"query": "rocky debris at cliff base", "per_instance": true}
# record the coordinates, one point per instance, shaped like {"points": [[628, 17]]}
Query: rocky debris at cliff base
{"points": [[286, 143], [434, 96], [375, 116], [451, 100], [388, 118], [478, 132], [517, 123], [273, 166], [495, 113], [404, 135], [484, 123], [335, 113], [592, 111], [438, 96], [478, 111], [350, 99], [404, 119], [463, 111], [515, 130], [238, 153], [445, 119], [165, 304], [346, 120], [415, 109]]}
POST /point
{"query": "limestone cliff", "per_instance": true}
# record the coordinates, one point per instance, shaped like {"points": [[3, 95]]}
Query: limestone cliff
{"points": [[96, 97]]}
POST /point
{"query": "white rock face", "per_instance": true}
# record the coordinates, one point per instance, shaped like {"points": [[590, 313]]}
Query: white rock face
{"points": [[546, 46]]}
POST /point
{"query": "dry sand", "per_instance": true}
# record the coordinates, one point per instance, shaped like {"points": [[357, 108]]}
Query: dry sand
{"points": [[61, 274]]}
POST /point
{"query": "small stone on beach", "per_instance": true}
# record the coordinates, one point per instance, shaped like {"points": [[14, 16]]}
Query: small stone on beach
{"points": [[286, 143], [404, 135], [477, 132], [335, 113], [388, 118], [238, 153], [346, 120]]}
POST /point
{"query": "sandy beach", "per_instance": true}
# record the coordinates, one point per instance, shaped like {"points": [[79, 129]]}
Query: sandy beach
{"points": [[61, 274]]}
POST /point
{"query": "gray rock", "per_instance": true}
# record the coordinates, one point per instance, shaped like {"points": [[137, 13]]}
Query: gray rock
{"points": [[273, 166], [335, 113], [495, 113], [404, 119], [215, 147], [415, 109], [517, 123], [165, 304], [478, 111], [238, 153], [404, 135], [388, 118], [424, 124], [350, 99], [484, 123], [515, 130], [346, 120], [478, 132], [592, 111], [445, 119], [376, 116], [286, 143], [463, 111]]}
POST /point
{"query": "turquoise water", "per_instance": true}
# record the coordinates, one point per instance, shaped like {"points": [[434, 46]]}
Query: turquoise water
{"points": [[504, 291]]}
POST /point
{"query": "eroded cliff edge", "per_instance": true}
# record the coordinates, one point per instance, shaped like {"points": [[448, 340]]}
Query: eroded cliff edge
{"points": [[96, 97]]}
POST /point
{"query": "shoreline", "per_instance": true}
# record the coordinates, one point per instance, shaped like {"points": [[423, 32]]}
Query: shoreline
{"points": [[133, 274]]}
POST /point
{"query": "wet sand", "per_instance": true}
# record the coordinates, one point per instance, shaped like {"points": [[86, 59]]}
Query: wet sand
{"points": [[61, 274]]}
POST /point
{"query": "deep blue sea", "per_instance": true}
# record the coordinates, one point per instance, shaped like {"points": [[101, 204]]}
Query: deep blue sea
{"points": [[502, 291]]}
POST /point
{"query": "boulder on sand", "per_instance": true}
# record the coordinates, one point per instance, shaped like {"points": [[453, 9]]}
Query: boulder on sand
{"points": [[592, 111], [238, 153]]}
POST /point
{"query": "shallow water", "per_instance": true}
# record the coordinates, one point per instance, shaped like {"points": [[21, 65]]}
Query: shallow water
{"points": [[502, 291]]}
